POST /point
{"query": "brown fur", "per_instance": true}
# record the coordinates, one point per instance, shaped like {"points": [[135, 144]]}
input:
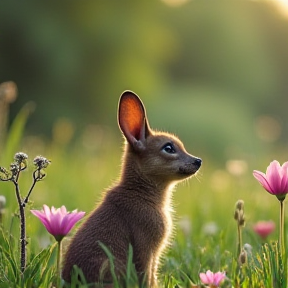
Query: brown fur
{"points": [[137, 210]]}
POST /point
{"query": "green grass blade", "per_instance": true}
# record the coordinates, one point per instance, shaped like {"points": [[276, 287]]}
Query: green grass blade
{"points": [[16, 132], [112, 266]]}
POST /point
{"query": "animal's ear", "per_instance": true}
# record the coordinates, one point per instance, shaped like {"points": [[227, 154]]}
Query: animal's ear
{"points": [[132, 120]]}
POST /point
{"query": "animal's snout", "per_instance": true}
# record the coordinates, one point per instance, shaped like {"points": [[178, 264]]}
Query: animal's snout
{"points": [[191, 167], [197, 162]]}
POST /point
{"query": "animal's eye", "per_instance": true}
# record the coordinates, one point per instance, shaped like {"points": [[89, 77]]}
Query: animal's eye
{"points": [[169, 148]]}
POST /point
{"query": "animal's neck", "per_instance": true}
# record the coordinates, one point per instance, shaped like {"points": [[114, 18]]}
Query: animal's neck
{"points": [[132, 178]]}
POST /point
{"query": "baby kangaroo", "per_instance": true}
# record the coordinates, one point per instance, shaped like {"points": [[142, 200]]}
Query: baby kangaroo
{"points": [[136, 211]]}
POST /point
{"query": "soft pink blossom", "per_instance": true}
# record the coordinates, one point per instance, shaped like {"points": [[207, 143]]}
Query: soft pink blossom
{"points": [[264, 228], [213, 279], [58, 222], [275, 181]]}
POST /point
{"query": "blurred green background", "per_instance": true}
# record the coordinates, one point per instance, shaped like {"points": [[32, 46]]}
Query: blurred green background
{"points": [[213, 72]]}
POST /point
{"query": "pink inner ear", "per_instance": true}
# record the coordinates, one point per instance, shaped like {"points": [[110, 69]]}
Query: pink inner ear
{"points": [[131, 117], [136, 133]]}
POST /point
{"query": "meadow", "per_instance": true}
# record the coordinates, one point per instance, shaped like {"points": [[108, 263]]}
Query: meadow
{"points": [[212, 72], [205, 236]]}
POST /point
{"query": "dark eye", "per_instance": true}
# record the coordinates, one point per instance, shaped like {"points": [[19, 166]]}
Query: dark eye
{"points": [[169, 148]]}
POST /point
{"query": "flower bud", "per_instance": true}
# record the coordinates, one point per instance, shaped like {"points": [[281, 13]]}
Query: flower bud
{"points": [[240, 205], [236, 215], [242, 259], [241, 221]]}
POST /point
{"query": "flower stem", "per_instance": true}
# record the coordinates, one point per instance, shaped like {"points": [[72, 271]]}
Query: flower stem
{"points": [[58, 265], [239, 248], [281, 239]]}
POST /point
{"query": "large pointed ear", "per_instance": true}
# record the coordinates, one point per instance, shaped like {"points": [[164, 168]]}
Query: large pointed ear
{"points": [[132, 119]]}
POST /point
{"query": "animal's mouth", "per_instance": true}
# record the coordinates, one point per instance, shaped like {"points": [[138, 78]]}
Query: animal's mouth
{"points": [[188, 170], [191, 168]]}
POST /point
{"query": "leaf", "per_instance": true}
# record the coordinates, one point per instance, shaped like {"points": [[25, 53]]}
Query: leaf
{"points": [[8, 265], [37, 269], [112, 266]]}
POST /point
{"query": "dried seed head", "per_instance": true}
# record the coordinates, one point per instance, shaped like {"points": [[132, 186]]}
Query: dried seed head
{"points": [[240, 205], [241, 218], [20, 157], [242, 259], [41, 162], [239, 213], [241, 221], [14, 168], [236, 214]]}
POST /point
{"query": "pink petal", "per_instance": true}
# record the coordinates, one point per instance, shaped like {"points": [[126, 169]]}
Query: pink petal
{"points": [[264, 228], [261, 177], [213, 279], [218, 277], [55, 226], [37, 213], [70, 220], [42, 217], [285, 165], [40, 214], [63, 210], [204, 278], [210, 276], [273, 176], [284, 175], [46, 212]]}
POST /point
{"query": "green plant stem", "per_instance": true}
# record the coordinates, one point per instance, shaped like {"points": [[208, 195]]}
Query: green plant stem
{"points": [[239, 240], [58, 285], [281, 239]]}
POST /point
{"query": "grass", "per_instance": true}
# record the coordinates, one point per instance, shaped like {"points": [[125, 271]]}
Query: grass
{"points": [[205, 235]]}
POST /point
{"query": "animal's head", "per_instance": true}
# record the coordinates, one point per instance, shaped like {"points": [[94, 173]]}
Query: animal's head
{"points": [[160, 156]]}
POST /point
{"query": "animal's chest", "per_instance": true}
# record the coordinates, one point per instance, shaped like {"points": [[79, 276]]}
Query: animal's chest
{"points": [[154, 227]]}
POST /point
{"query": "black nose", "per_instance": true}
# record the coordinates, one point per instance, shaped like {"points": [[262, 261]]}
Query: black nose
{"points": [[198, 162]]}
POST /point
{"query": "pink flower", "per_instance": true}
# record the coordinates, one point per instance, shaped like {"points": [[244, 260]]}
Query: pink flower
{"points": [[264, 228], [275, 181], [213, 279], [58, 222]]}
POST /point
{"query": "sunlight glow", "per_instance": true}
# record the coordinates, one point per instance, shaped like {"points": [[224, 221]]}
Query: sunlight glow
{"points": [[175, 3], [282, 5]]}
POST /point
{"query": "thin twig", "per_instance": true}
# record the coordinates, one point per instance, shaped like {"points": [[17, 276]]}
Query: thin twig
{"points": [[35, 179], [22, 228]]}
